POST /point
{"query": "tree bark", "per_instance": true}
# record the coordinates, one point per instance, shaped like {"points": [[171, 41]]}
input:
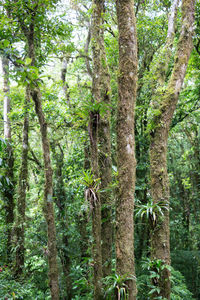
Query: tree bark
{"points": [[48, 198], [99, 129], [160, 68], [48, 189], [23, 181], [60, 200], [160, 247], [102, 95], [94, 140], [83, 218], [63, 78], [8, 193], [96, 208], [127, 82], [6, 90]]}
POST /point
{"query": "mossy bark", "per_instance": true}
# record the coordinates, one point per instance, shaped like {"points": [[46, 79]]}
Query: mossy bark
{"points": [[126, 144], [93, 131], [48, 188], [104, 139], [166, 103], [63, 78], [8, 192], [60, 200], [21, 200], [48, 198], [83, 218], [96, 209], [99, 129]]}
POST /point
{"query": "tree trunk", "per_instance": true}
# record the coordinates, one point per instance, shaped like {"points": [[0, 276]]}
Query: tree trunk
{"points": [[126, 144], [63, 78], [60, 200], [101, 92], [6, 90], [48, 198], [93, 133], [99, 128], [160, 247], [8, 193], [23, 180], [83, 218], [96, 208], [48, 189]]}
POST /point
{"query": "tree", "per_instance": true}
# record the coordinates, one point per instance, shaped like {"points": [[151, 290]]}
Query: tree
{"points": [[102, 92], [48, 191], [60, 195], [23, 182], [8, 191], [30, 32], [99, 130], [164, 102], [125, 144]]}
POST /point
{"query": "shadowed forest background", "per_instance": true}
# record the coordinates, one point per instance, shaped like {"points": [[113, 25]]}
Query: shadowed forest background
{"points": [[100, 149]]}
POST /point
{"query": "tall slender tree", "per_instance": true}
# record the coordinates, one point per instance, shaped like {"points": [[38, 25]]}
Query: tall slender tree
{"points": [[29, 29], [94, 139], [100, 150], [48, 190], [127, 82], [8, 192], [60, 200], [104, 150], [23, 181], [63, 78], [164, 103]]}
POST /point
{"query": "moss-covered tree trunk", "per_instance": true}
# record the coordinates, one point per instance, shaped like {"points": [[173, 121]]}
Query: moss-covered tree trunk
{"points": [[61, 202], [104, 152], [165, 103], [126, 144], [93, 132], [96, 208], [35, 92], [8, 191], [100, 150], [63, 78], [48, 198], [21, 200], [83, 218]]}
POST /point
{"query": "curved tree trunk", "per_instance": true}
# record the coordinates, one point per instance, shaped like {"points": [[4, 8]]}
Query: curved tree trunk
{"points": [[126, 143], [21, 201], [160, 247]]}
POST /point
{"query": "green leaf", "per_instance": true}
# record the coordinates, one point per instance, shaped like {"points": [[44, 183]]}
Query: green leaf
{"points": [[6, 43], [28, 61]]}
